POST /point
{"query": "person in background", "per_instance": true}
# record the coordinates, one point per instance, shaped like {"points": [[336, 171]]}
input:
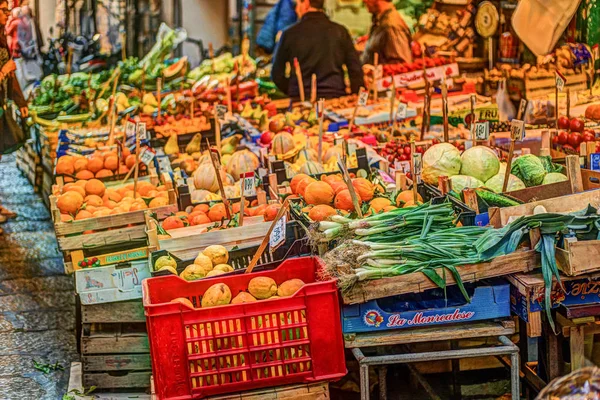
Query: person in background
{"points": [[322, 47], [12, 32], [281, 16], [9, 89], [389, 35]]}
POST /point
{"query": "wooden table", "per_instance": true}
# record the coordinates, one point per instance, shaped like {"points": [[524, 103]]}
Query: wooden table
{"points": [[403, 337]]}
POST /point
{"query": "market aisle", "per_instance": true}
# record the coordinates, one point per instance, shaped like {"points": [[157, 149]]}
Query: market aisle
{"points": [[37, 313]]}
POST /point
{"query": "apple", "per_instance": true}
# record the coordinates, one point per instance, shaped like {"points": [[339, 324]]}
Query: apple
{"points": [[576, 125], [574, 139], [276, 125], [588, 136], [563, 137], [266, 137], [563, 122]]}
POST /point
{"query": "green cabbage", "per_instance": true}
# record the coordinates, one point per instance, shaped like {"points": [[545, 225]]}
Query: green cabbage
{"points": [[461, 182], [442, 159], [480, 162], [495, 183], [529, 169], [554, 177]]}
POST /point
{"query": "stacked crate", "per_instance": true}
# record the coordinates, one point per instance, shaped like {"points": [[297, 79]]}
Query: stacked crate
{"points": [[28, 162]]}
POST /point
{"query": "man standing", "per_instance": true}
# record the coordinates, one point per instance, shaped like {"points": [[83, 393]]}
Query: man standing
{"points": [[322, 48], [389, 36]]}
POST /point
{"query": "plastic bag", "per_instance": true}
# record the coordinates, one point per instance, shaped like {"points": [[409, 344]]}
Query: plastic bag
{"points": [[506, 109], [167, 40]]}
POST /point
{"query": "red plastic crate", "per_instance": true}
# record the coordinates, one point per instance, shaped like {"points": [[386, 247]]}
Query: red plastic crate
{"points": [[209, 351]]}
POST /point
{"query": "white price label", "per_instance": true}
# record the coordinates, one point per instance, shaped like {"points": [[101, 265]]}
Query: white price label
{"points": [[522, 109], [351, 149], [141, 131], [125, 278], [221, 111], [130, 129], [277, 237], [403, 166], [517, 129], [401, 111], [560, 82], [249, 184], [418, 163], [482, 130], [147, 155], [363, 97]]}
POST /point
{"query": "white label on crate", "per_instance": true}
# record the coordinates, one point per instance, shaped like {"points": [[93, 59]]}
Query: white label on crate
{"points": [[277, 237], [249, 184], [221, 111], [517, 129], [560, 82], [401, 111], [351, 149], [482, 130], [141, 131], [147, 155], [125, 278], [363, 97], [403, 166], [130, 129]]}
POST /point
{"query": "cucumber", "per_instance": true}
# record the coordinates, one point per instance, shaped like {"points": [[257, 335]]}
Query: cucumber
{"points": [[495, 199]]}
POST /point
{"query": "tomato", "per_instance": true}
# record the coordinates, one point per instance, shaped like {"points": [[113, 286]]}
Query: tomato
{"points": [[555, 140], [588, 137], [563, 137], [568, 149], [420, 149], [407, 150], [563, 122], [576, 125], [404, 157], [574, 139]]}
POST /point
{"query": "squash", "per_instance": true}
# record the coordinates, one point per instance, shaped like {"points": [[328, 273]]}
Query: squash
{"points": [[282, 143], [312, 168], [241, 162], [205, 177]]}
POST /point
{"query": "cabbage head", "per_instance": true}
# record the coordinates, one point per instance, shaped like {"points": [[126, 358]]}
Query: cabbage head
{"points": [[529, 169], [480, 162], [461, 182], [442, 159], [554, 177], [495, 183]]}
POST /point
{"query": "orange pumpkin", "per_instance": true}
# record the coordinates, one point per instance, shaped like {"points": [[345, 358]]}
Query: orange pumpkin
{"points": [[318, 193], [172, 222], [199, 219], [296, 181], [201, 208], [303, 185], [321, 212], [217, 212], [271, 211], [343, 201], [406, 196], [379, 203], [364, 189]]}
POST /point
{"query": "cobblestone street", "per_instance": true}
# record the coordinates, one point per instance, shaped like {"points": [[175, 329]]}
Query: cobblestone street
{"points": [[37, 312]]}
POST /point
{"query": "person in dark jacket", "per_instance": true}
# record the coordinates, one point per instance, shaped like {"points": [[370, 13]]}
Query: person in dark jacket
{"points": [[9, 89], [322, 47], [389, 35]]}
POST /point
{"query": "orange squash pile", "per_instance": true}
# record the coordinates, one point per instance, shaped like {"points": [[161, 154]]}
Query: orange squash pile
{"points": [[91, 199], [100, 164]]}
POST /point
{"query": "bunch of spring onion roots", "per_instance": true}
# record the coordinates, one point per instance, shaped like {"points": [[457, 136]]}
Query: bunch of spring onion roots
{"points": [[426, 238]]}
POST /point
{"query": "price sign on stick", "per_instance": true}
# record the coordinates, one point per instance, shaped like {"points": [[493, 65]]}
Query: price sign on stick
{"points": [[130, 129], [147, 155], [277, 237], [141, 131], [378, 72], [249, 184], [482, 130], [418, 165], [221, 111], [517, 129], [363, 97], [401, 111], [522, 109], [560, 81]]}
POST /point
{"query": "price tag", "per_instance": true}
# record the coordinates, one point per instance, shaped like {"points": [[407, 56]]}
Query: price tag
{"points": [[221, 111], [473, 101], [249, 184], [595, 161], [401, 111], [560, 81], [522, 108], [141, 131], [363, 97], [130, 129], [277, 237], [147, 155], [403, 166], [418, 163], [482, 130], [517, 129], [378, 72]]}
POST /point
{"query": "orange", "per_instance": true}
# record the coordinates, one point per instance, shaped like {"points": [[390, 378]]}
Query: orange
{"points": [[406, 196], [260, 210], [95, 164], [303, 185], [104, 173], [110, 194], [217, 212], [75, 188], [70, 202], [93, 200], [202, 208], [80, 164], [65, 218], [296, 181], [318, 193], [158, 202], [94, 186], [200, 219], [139, 206], [83, 214], [379, 203], [111, 162], [343, 201], [64, 168], [130, 161], [172, 222], [271, 211], [321, 212], [84, 174]]}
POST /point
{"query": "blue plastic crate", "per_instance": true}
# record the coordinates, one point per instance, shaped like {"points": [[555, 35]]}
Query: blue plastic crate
{"points": [[433, 307]]}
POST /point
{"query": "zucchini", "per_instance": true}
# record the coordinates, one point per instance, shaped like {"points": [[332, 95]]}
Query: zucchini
{"points": [[73, 118], [495, 199]]}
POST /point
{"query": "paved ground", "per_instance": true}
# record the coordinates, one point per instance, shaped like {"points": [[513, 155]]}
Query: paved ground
{"points": [[37, 313]]}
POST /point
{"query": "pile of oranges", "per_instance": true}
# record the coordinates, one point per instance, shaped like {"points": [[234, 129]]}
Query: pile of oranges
{"points": [[91, 199], [100, 164]]}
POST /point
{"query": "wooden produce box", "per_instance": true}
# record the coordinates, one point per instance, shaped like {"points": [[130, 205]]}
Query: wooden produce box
{"points": [[115, 351], [529, 88], [187, 242], [95, 237], [113, 283], [520, 261]]}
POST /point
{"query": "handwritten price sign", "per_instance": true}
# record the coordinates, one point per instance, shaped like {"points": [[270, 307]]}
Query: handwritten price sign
{"points": [[141, 131], [363, 97], [482, 130], [221, 111], [147, 155], [130, 129], [277, 237], [517, 129], [249, 184], [560, 81], [401, 111]]}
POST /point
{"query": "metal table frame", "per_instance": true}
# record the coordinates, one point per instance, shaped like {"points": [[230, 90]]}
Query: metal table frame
{"points": [[506, 348]]}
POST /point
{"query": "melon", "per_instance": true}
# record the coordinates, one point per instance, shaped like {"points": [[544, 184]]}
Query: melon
{"points": [[333, 152], [205, 178], [282, 143], [175, 69], [241, 162], [312, 168]]}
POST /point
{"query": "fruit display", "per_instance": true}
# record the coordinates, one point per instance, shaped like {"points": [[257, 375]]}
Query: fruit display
{"points": [[212, 261], [223, 67], [92, 199], [572, 132], [99, 164], [417, 65]]}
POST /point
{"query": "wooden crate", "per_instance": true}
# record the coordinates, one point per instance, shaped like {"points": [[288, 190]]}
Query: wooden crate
{"points": [[107, 313], [187, 242], [520, 261], [104, 235], [76, 383]]}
